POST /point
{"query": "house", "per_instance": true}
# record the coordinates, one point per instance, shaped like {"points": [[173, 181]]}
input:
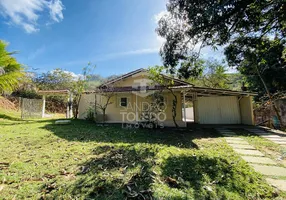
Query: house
{"points": [[132, 95]]}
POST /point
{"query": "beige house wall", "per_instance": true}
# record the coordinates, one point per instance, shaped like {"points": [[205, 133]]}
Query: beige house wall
{"points": [[246, 110], [117, 114], [87, 101]]}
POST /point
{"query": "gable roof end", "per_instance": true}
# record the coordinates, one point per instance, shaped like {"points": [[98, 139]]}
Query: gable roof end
{"points": [[124, 76]]}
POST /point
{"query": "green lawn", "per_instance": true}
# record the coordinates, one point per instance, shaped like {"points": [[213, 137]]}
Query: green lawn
{"points": [[39, 159]]}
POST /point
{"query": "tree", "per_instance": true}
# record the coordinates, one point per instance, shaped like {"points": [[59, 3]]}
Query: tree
{"points": [[191, 25], [158, 78], [80, 85], [105, 92], [213, 75], [10, 70], [261, 61], [56, 79]]}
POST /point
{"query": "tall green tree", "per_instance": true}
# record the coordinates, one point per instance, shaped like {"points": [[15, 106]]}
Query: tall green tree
{"points": [[10, 70], [214, 75], [260, 61], [56, 79], [191, 24]]}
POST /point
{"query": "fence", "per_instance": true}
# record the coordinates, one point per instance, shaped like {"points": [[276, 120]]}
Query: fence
{"points": [[31, 108]]}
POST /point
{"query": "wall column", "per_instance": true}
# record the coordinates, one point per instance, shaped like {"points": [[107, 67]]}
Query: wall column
{"points": [[44, 106], [67, 111], [70, 105], [184, 104], [136, 101]]}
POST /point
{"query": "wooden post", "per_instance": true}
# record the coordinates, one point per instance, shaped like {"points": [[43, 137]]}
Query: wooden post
{"points": [[67, 114], [44, 106], [184, 104], [137, 118], [70, 105]]}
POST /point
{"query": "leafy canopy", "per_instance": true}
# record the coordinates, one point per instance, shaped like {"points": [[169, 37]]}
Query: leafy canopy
{"points": [[192, 24], [259, 55], [10, 70], [213, 75], [56, 79]]}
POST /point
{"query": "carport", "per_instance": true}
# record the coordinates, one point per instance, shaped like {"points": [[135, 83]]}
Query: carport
{"points": [[220, 106], [65, 93]]}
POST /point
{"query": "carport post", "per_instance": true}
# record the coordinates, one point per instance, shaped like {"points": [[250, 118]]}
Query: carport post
{"points": [[184, 104], [70, 104], [44, 106]]}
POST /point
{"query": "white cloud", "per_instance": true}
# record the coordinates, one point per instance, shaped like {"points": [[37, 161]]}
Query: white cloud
{"points": [[25, 13], [56, 10], [74, 75]]}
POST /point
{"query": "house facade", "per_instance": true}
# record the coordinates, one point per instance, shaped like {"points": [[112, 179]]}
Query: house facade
{"points": [[135, 98]]}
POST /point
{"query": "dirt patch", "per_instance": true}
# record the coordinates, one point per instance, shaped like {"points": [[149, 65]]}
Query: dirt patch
{"points": [[6, 104]]}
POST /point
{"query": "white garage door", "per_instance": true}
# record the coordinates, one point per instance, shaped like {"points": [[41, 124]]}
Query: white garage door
{"points": [[218, 110]]}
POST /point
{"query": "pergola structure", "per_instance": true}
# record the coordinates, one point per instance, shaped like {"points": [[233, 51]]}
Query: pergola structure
{"points": [[44, 93]]}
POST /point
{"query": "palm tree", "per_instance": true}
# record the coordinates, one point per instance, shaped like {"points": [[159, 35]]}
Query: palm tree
{"points": [[10, 70]]}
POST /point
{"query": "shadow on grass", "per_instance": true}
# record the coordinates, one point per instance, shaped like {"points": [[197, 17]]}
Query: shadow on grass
{"points": [[118, 172], [85, 131], [17, 121], [126, 172], [214, 178], [4, 116]]}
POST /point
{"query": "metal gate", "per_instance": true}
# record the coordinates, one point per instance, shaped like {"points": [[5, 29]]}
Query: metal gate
{"points": [[31, 108]]}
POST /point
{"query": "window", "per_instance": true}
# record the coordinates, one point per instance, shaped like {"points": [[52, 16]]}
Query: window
{"points": [[123, 101]]}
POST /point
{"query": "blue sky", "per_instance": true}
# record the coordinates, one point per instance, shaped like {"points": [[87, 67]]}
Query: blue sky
{"points": [[116, 35]]}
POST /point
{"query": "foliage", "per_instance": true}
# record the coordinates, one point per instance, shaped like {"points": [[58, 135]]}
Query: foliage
{"points": [[260, 59], [264, 55], [214, 76], [90, 114], [56, 79], [236, 81], [80, 85], [190, 25], [84, 161], [191, 68], [10, 70]]}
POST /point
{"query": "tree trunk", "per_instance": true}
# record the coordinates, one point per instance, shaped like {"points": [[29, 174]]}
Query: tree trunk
{"points": [[103, 116], [77, 107], [174, 108], [270, 98]]}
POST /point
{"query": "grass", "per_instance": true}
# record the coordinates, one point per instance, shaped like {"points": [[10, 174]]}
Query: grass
{"points": [[41, 160]]}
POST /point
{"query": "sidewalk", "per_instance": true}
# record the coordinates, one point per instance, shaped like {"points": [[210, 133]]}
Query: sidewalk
{"points": [[256, 159]]}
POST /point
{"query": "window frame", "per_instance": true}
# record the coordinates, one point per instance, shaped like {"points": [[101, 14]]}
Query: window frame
{"points": [[120, 101]]}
